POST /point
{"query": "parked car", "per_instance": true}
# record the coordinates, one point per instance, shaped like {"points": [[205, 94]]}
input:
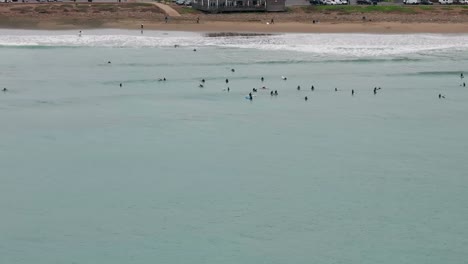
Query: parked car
{"points": [[445, 2], [364, 2], [344, 2], [188, 2], [426, 2], [180, 2], [463, 2], [411, 2]]}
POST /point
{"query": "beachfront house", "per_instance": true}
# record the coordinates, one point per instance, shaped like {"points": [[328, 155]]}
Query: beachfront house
{"points": [[219, 6]]}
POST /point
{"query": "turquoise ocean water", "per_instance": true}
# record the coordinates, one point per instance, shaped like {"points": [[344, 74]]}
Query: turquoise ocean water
{"points": [[167, 172]]}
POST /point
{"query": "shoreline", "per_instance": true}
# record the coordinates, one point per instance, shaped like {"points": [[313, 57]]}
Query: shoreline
{"points": [[351, 19], [260, 28]]}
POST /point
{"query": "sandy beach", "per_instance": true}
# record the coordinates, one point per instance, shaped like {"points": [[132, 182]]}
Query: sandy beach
{"points": [[298, 20]]}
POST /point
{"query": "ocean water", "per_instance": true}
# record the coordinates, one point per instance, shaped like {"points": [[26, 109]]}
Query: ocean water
{"points": [[167, 172]]}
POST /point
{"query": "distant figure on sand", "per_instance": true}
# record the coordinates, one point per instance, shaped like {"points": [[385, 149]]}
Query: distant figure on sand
{"points": [[165, 19], [272, 21], [198, 20], [141, 26]]}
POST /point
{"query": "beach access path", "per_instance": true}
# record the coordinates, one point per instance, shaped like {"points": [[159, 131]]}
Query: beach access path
{"points": [[168, 10]]}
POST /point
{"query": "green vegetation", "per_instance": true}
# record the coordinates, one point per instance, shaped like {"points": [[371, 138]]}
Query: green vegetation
{"points": [[360, 9], [187, 10], [130, 5], [426, 8]]}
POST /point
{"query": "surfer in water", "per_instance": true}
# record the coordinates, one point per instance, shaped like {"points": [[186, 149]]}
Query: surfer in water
{"points": [[276, 92], [298, 87], [312, 88], [120, 84], [227, 81], [4, 89], [352, 92], [262, 79], [250, 97], [79, 33], [305, 98]]}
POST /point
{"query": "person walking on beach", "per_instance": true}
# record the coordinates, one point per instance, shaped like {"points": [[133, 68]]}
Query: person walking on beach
{"points": [[79, 33], [272, 21], [198, 20], [141, 26], [165, 19]]}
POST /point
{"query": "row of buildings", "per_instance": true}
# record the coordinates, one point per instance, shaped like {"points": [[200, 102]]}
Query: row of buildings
{"points": [[220, 6]]}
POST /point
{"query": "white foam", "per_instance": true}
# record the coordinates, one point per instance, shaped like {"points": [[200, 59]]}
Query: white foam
{"points": [[348, 45]]}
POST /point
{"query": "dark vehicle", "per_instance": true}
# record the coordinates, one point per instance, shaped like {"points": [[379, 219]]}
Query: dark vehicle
{"points": [[315, 2], [426, 2], [364, 2]]}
